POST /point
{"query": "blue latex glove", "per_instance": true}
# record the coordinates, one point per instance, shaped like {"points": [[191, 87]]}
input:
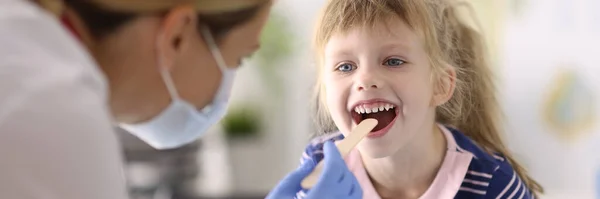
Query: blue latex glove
{"points": [[336, 180]]}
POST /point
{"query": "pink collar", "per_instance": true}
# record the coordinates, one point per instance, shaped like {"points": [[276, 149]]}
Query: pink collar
{"points": [[446, 183]]}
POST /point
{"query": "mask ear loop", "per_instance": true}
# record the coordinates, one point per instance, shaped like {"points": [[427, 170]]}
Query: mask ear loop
{"points": [[164, 72], [214, 49]]}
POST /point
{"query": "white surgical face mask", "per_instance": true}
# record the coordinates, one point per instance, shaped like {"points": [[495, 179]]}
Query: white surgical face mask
{"points": [[181, 122]]}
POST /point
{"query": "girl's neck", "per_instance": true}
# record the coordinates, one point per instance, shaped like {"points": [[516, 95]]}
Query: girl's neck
{"points": [[411, 170]]}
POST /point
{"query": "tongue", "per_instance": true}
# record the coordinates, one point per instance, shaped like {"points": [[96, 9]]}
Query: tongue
{"points": [[383, 118]]}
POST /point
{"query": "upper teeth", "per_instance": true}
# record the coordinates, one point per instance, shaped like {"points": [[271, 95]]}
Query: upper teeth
{"points": [[362, 109]]}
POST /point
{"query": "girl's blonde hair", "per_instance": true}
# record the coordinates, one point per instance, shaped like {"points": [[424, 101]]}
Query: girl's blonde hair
{"points": [[448, 41]]}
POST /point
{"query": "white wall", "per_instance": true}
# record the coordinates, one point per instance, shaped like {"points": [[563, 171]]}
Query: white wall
{"points": [[553, 36]]}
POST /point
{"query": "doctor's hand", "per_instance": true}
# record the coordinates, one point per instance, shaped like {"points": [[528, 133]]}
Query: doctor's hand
{"points": [[336, 180]]}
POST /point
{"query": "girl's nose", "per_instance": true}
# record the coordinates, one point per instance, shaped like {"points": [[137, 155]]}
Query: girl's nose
{"points": [[367, 86], [368, 81]]}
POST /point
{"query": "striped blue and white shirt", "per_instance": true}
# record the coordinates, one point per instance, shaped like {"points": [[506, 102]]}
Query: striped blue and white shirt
{"points": [[467, 171]]}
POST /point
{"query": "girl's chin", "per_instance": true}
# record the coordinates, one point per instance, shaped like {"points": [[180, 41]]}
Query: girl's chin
{"points": [[375, 151]]}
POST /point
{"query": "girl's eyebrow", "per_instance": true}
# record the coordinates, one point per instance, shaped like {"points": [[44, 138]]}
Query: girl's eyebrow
{"points": [[341, 53], [396, 46]]}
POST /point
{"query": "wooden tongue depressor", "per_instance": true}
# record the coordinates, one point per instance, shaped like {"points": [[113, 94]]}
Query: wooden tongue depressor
{"points": [[344, 146]]}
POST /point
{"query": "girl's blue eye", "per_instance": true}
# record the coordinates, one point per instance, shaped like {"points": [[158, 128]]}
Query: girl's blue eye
{"points": [[394, 62], [345, 67]]}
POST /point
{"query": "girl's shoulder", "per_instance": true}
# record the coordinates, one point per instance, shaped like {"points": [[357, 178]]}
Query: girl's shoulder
{"points": [[314, 149], [489, 175]]}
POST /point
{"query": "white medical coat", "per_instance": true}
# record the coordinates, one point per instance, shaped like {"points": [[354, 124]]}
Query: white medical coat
{"points": [[56, 135]]}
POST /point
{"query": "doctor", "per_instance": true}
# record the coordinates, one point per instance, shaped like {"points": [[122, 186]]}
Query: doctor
{"points": [[160, 69]]}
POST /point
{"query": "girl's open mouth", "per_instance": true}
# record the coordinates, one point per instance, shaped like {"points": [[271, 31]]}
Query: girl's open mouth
{"points": [[384, 113]]}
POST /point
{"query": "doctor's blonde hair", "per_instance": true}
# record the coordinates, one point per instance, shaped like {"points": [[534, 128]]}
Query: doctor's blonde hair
{"points": [[205, 6], [103, 16], [473, 108]]}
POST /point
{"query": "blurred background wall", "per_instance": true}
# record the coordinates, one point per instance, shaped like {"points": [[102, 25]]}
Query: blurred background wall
{"points": [[551, 92], [545, 54]]}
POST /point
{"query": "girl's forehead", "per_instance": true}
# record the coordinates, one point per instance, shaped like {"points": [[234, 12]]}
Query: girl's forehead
{"points": [[386, 34]]}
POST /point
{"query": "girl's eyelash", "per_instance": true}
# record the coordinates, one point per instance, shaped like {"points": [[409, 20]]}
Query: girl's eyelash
{"points": [[337, 68], [385, 61]]}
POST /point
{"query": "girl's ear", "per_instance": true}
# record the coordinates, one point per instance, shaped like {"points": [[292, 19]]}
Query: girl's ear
{"points": [[444, 85]]}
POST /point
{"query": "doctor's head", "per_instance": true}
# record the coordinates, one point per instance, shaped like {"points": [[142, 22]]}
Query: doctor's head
{"points": [[153, 50]]}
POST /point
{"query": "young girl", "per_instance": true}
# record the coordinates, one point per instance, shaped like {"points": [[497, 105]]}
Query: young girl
{"points": [[421, 72]]}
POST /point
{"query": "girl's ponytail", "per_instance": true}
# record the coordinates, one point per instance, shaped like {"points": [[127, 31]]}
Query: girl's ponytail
{"points": [[475, 108]]}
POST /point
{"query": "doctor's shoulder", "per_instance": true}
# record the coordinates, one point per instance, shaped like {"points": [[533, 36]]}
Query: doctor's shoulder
{"points": [[56, 137], [37, 51], [43, 68]]}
